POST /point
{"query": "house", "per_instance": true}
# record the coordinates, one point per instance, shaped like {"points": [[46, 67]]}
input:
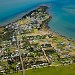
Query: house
{"points": [[46, 45]]}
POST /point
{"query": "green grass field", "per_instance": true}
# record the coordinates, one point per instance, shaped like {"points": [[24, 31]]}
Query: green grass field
{"points": [[60, 70]]}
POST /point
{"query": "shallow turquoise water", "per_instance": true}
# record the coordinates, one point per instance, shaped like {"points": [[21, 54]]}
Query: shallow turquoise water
{"points": [[62, 11]]}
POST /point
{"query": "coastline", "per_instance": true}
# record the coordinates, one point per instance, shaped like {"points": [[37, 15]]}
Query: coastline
{"points": [[60, 35], [19, 16], [24, 14]]}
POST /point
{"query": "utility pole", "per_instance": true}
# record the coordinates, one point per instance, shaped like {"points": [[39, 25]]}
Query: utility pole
{"points": [[18, 46]]}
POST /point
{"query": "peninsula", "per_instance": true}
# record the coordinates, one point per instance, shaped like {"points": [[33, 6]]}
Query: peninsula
{"points": [[32, 39]]}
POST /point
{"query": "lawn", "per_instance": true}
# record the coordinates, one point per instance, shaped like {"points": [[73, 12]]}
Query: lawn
{"points": [[59, 70]]}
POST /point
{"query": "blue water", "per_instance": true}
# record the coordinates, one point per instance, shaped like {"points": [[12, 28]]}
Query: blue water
{"points": [[62, 11]]}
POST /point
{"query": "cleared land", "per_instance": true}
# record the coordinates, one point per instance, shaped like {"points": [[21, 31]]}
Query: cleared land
{"points": [[58, 70]]}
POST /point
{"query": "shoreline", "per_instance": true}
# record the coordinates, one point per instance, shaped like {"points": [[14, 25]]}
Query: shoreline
{"points": [[24, 14], [58, 34]]}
